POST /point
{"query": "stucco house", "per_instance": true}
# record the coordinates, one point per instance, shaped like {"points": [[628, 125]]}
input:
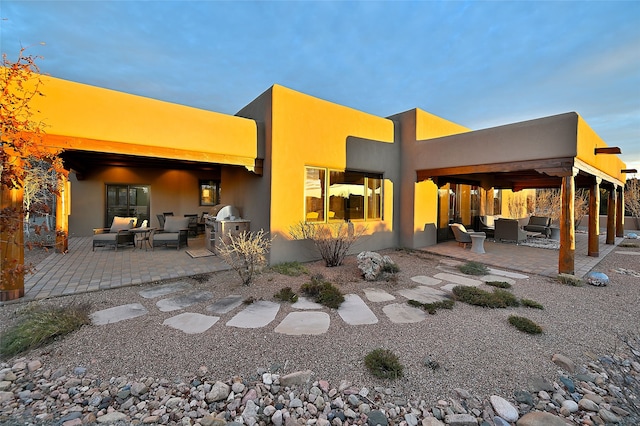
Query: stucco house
{"points": [[288, 157]]}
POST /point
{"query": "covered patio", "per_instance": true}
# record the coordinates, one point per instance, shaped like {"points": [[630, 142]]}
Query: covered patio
{"points": [[560, 152]]}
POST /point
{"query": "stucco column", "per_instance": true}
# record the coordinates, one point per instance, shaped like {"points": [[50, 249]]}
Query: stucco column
{"points": [[594, 218], [620, 213], [11, 245], [62, 214], [566, 257], [611, 216]]}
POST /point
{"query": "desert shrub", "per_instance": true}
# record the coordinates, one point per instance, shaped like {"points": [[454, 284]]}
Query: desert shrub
{"points": [[323, 292], [531, 304], [286, 295], [332, 240], [245, 253], [524, 324], [569, 279], [383, 364], [39, 325], [390, 268], [499, 284], [431, 308], [201, 278], [478, 297], [474, 268], [292, 269]]}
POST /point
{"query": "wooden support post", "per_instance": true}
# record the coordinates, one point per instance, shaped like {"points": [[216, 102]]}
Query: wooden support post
{"points": [[489, 202], [620, 213], [594, 219], [611, 216], [11, 244], [566, 257], [62, 214]]}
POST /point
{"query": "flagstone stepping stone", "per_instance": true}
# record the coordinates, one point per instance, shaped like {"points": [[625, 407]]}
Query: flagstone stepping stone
{"points": [[458, 279], [118, 313], [425, 280], [256, 315], [449, 287], [304, 323], [515, 275], [183, 301], [401, 313], [632, 253], [355, 312], [163, 290], [424, 294], [488, 278], [226, 304], [305, 303], [191, 323], [377, 295]]}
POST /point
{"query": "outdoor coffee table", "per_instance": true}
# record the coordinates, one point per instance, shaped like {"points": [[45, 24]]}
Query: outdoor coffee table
{"points": [[477, 242], [534, 234], [143, 236]]}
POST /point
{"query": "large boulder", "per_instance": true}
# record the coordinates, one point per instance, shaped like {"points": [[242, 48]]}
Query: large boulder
{"points": [[373, 264]]}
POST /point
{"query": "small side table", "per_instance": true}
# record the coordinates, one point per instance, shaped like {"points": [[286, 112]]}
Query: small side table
{"points": [[555, 233], [477, 242], [143, 236]]}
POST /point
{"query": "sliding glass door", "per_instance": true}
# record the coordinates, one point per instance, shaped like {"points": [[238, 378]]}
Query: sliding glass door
{"points": [[127, 201]]}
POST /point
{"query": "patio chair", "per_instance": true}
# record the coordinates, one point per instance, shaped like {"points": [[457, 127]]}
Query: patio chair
{"points": [[509, 230], [462, 234], [117, 234], [160, 220], [175, 232], [487, 225], [193, 224]]}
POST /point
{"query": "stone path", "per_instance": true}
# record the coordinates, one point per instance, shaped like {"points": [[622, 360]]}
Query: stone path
{"points": [[309, 318]]}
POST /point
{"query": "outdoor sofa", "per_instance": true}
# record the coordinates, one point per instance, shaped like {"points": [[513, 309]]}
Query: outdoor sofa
{"points": [[539, 224], [509, 230]]}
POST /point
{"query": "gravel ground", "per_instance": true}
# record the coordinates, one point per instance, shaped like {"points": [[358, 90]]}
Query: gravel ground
{"points": [[476, 348]]}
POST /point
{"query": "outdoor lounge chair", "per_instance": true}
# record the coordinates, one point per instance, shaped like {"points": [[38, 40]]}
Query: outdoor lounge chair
{"points": [[117, 234], [539, 224], [487, 224], [160, 220], [175, 232], [463, 235], [509, 230]]}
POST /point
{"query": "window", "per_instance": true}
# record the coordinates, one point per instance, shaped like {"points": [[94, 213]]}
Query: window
{"points": [[332, 195], [209, 192]]}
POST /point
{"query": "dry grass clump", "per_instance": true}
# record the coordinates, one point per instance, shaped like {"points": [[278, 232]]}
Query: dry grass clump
{"points": [[474, 268], [291, 269], [431, 308], [39, 325], [570, 280], [286, 295]]}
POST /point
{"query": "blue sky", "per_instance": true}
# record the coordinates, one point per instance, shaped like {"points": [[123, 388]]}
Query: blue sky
{"points": [[479, 64]]}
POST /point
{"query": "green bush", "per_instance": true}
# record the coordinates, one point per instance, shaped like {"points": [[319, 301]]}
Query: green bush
{"points": [[40, 325], [531, 304], [431, 308], [499, 284], [383, 364], [286, 295], [390, 268], [323, 292], [525, 324], [292, 269], [478, 297], [474, 268]]}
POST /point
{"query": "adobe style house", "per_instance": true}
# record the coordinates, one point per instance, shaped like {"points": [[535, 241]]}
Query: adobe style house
{"points": [[288, 157]]}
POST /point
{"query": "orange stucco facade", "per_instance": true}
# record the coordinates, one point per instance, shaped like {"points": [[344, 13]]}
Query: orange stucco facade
{"points": [[259, 157]]}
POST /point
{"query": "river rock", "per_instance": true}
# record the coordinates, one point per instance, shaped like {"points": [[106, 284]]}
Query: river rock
{"points": [[564, 362], [538, 418], [503, 408]]}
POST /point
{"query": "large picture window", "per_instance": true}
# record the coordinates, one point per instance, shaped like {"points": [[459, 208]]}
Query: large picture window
{"points": [[332, 195], [127, 201]]}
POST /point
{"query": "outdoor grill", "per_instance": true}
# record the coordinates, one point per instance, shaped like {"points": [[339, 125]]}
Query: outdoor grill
{"points": [[221, 221]]}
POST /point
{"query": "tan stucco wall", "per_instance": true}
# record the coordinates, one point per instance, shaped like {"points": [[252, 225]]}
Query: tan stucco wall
{"points": [[86, 116], [170, 190], [301, 130], [418, 209]]}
